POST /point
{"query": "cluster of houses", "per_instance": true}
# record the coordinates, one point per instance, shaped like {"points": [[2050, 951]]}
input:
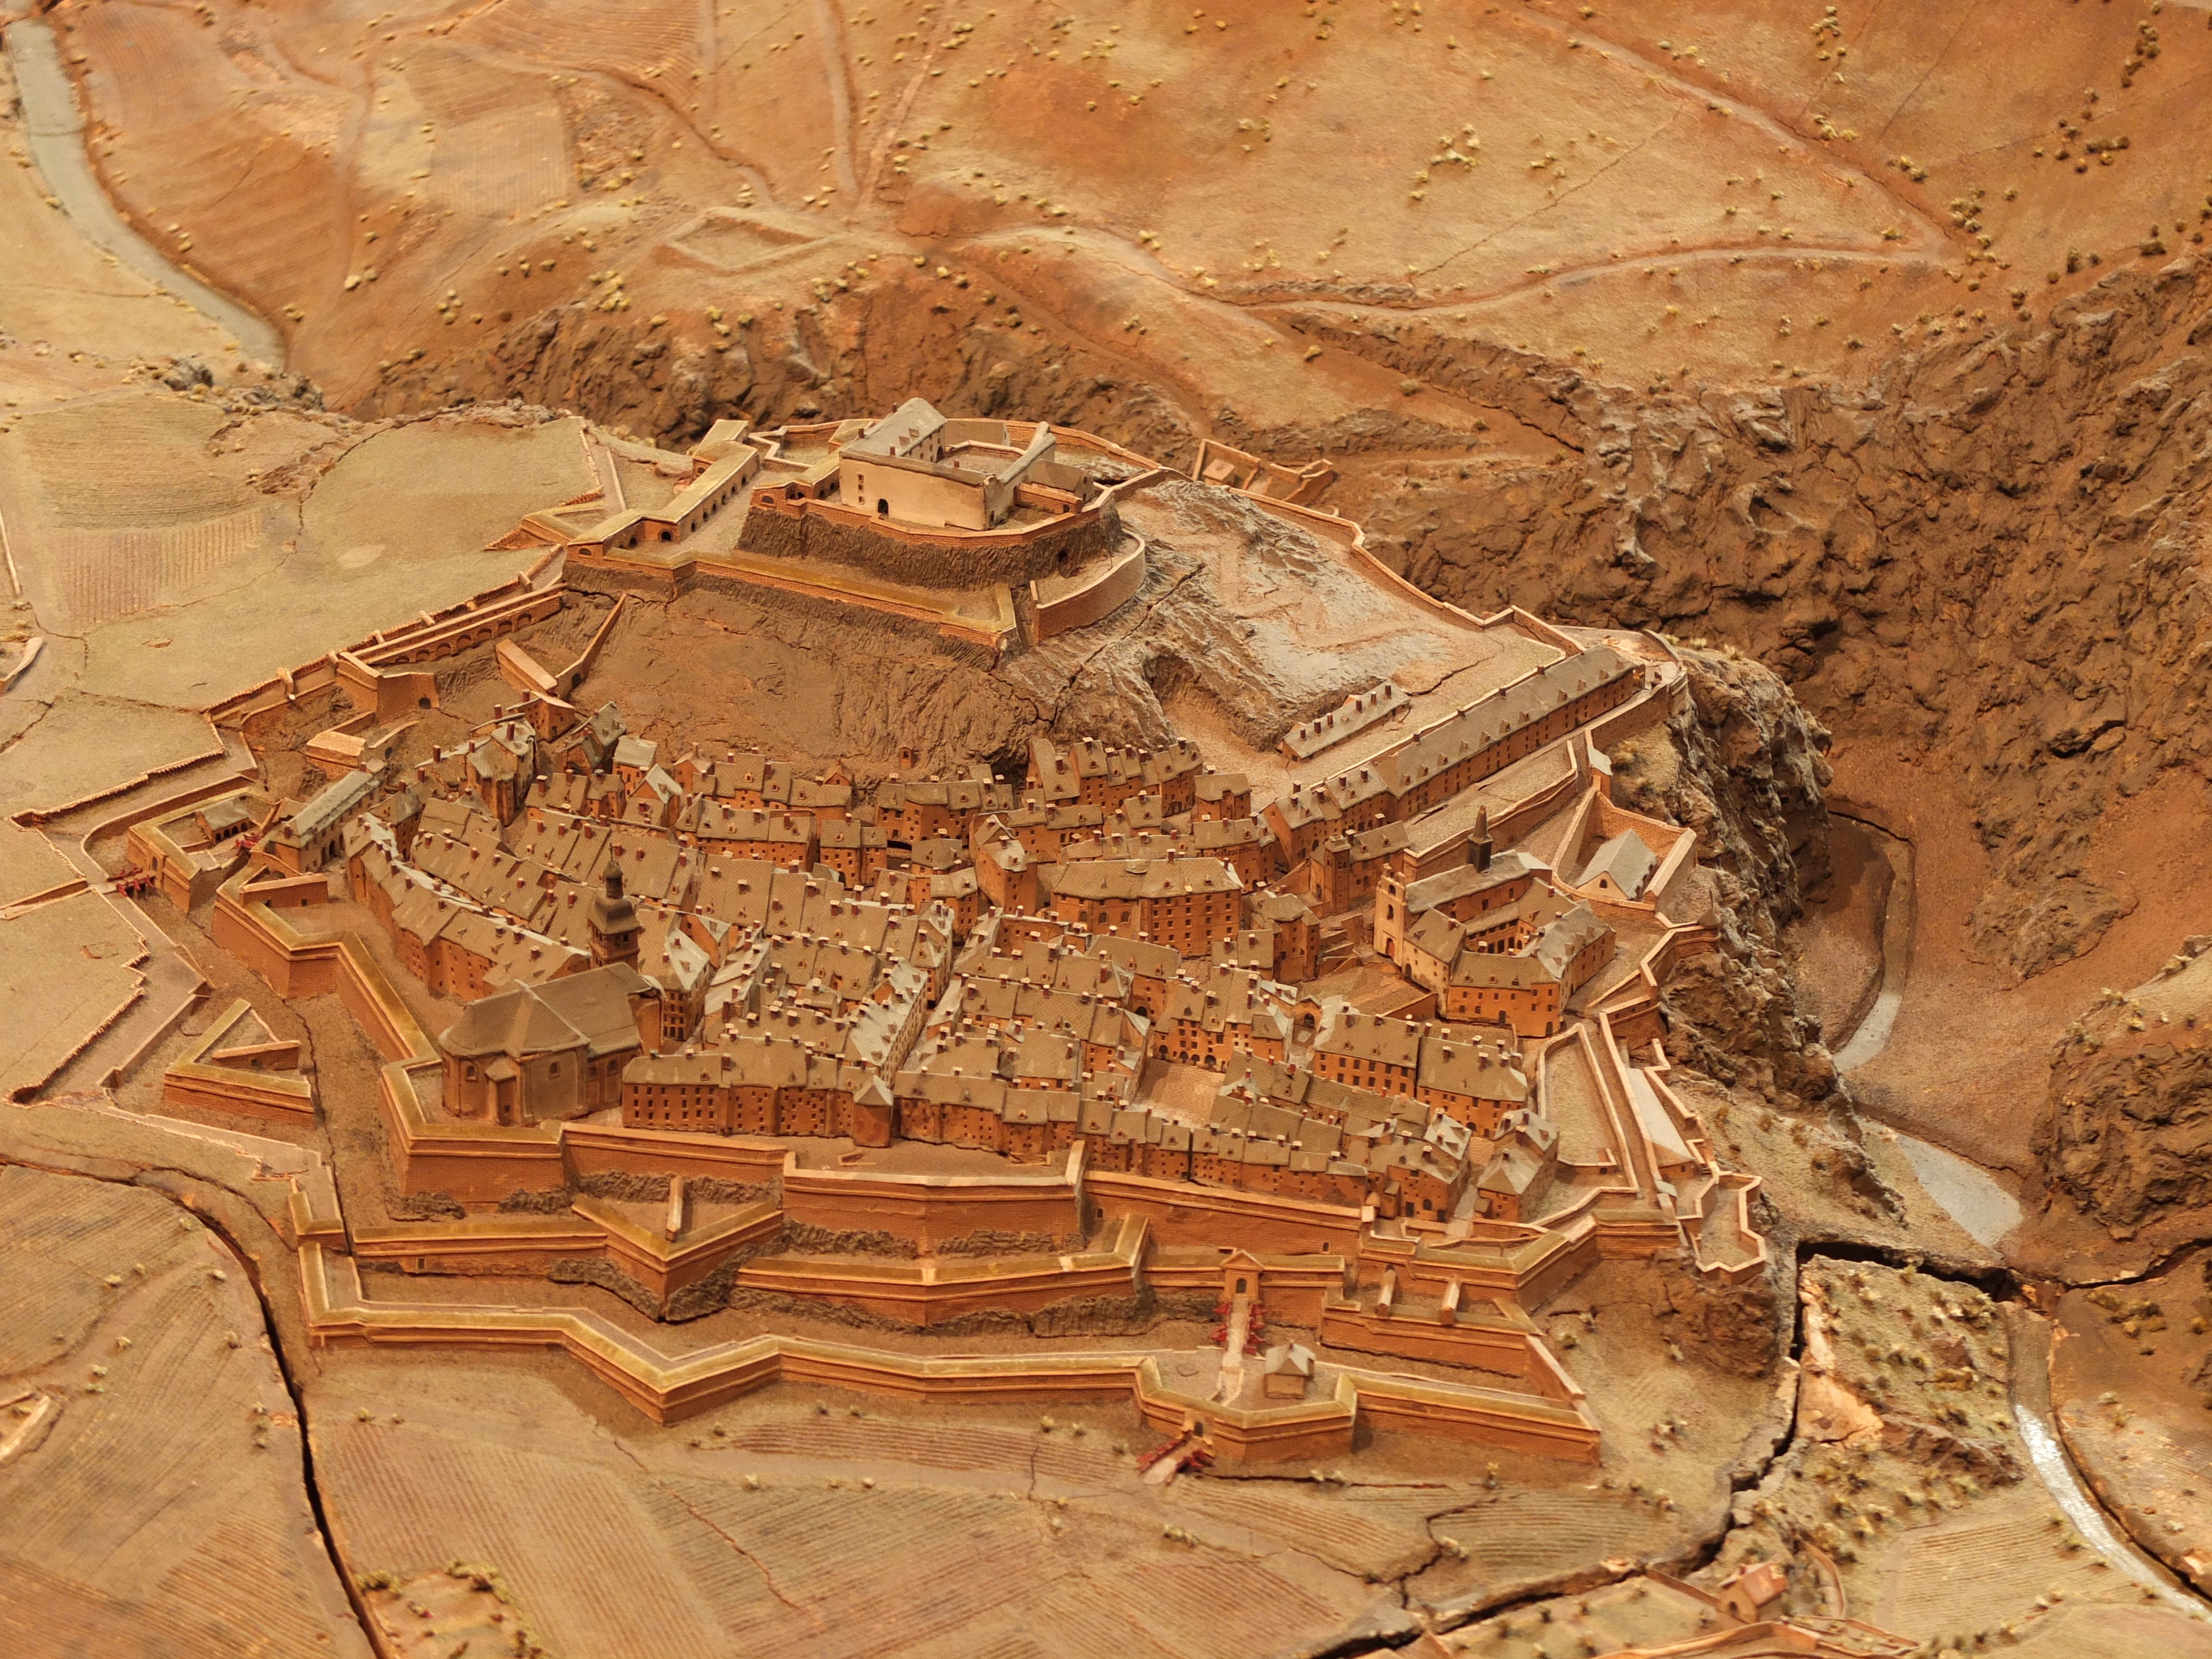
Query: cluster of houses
{"points": [[1115, 948], [722, 945], [1043, 1036]]}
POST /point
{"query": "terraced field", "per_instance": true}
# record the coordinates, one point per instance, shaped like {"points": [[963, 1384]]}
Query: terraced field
{"points": [[767, 1521], [2005, 1554]]}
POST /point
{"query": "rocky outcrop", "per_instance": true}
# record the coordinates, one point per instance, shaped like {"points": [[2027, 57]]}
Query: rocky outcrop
{"points": [[1745, 767], [839, 353], [1734, 1327], [1734, 1016], [2126, 1132], [1747, 770]]}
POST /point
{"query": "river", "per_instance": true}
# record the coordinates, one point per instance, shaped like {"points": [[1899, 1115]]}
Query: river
{"points": [[1986, 1210], [53, 127]]}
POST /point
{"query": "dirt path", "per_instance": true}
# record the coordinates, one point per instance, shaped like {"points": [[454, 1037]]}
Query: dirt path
{"points": [[1232, 1351]]}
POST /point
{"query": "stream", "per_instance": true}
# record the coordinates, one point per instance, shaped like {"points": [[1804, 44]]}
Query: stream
{"points": [[2030, 1408], [53, 128], [1968, 1194], [2074, 1501], [1985, 1211]]}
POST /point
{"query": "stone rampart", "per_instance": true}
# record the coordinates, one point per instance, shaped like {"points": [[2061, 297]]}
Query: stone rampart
{"points": [[1097, 593], [671, 1389], [814, 593], [230, 1088], [615, 1149], [665, 1267], [508, 1246], [930, 1210], [786, 523], [377, 672], [496, 1246], [934, 1290], [1181, 1212], [1514, 1266], [1293, 1289], [1488, 1343]]}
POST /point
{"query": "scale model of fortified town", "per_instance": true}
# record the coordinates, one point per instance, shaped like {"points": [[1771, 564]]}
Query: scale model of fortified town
{"points": [[1349, 1045]]}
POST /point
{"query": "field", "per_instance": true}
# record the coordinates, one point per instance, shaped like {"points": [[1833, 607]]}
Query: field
{"points": [[2128, 1382], [158, 1507], [768, 1523]]}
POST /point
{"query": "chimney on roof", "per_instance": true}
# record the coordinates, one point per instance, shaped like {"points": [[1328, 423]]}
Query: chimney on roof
{"points": [[1478, 851]]}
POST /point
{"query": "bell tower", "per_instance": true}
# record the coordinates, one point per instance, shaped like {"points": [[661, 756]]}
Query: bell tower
{"points": [[614, 922]]}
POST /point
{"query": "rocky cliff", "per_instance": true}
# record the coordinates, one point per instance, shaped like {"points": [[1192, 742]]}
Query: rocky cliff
{"points": [[1744, 766], [842, 353], [2126, 1132]]}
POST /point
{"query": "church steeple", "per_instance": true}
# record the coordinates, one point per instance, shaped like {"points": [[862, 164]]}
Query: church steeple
{"points": [[614, 921]]}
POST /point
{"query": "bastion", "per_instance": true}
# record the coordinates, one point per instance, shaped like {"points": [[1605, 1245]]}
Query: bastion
{"points": [[990, 533]]}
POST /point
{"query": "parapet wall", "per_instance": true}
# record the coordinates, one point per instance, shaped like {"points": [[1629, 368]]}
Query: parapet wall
{"points": [[495, 1246], [183, 881], [1264, 1224], [1666, 698], [788, 525], [1482, 1342], [934, 1290], [1632, 1006], [1518, 1267], [1294, 1290], [612, 1148], [533, 1246], [827, 600], [815, 593], [193, 1078], [478, 1163], [378, 673], [932, 1210], [1102, 590]]}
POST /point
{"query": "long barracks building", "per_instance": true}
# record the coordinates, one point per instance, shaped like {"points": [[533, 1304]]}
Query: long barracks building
{"points": [[1456, 752]]}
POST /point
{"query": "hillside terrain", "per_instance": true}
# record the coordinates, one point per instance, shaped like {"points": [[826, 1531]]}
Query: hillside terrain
{"points": [[1142, 219]]}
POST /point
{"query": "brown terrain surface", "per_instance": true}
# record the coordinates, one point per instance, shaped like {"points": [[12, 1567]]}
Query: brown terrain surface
{"points": [[2128, 1381], [513, 196], [152, 1471], [1872, 351]]}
